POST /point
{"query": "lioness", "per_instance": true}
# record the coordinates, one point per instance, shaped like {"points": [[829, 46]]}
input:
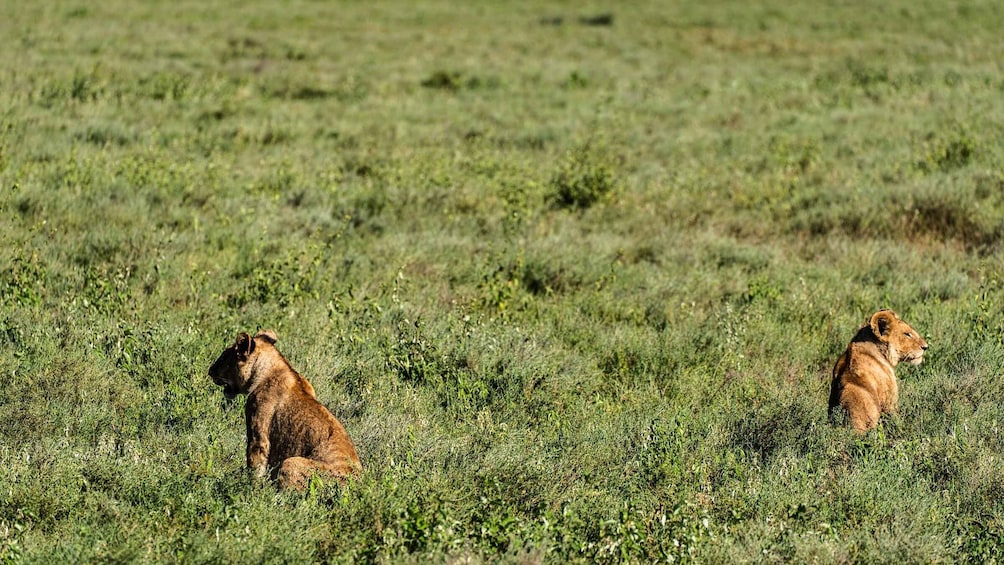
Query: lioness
{"points": [[864, 382], [288, 431]]}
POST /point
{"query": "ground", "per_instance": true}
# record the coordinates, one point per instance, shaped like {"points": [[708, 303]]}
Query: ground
{"points": [[573, 276]]}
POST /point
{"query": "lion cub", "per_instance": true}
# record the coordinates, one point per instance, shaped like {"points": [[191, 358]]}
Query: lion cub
{"points": [[864, 382], [288, 430]]}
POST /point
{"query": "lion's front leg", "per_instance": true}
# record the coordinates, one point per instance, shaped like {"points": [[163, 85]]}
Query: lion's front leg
{"points": [[257, 448], [257, 456]]}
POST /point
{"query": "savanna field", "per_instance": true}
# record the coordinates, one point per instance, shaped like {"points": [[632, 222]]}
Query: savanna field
{"points": [[572, 275]]}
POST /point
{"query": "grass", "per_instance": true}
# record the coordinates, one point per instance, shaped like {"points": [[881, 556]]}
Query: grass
{"points": [[573, 277]]}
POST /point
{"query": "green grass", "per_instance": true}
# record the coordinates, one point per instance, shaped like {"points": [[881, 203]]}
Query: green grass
{"points": [[572, 276]]}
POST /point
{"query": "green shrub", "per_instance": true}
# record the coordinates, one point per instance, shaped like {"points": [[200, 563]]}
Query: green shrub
{"points": [[585, 177]]}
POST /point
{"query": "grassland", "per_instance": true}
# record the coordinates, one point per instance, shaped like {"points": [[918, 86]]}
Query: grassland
{"points": [[573, 283]]}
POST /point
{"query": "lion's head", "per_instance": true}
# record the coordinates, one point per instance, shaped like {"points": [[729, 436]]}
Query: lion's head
{"points": [[904, 343], [234, 368]]}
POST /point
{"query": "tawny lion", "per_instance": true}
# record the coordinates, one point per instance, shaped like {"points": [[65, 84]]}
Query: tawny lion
{"points": [[864, 380], [289, 432]]}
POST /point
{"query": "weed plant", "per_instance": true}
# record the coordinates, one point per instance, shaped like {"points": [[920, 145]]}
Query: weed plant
{"points": [[573, 278]]}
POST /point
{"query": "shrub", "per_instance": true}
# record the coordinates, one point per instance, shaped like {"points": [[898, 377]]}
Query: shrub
{"points": [[585, 177]]}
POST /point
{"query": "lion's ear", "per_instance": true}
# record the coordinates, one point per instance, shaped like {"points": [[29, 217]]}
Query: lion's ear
{"points": [[267, 335], [245, 345], [881, 321]]}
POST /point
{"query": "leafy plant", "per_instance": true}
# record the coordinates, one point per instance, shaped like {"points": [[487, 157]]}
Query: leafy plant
{"points": [[585, 176]]}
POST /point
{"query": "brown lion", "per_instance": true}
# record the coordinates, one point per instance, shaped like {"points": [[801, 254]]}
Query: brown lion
{"points": [[288, 431], [864, 380]]}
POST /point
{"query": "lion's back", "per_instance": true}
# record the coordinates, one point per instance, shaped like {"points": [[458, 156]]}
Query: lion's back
{"points": [[303, 427]]}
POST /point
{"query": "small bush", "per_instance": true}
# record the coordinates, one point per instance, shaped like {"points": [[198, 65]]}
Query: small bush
{"points": [[411, 355], [282, 280], [22, 281], [945, 217], [584, 178], [947, 153], [445, 80], [599, 20], [455, 80]]}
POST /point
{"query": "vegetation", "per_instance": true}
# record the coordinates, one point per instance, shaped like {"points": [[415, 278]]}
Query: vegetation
{"points": [[572, 276]]}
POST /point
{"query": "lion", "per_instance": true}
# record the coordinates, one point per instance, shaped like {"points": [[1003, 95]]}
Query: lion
{"points": [[289, 433], [864, 379]]}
